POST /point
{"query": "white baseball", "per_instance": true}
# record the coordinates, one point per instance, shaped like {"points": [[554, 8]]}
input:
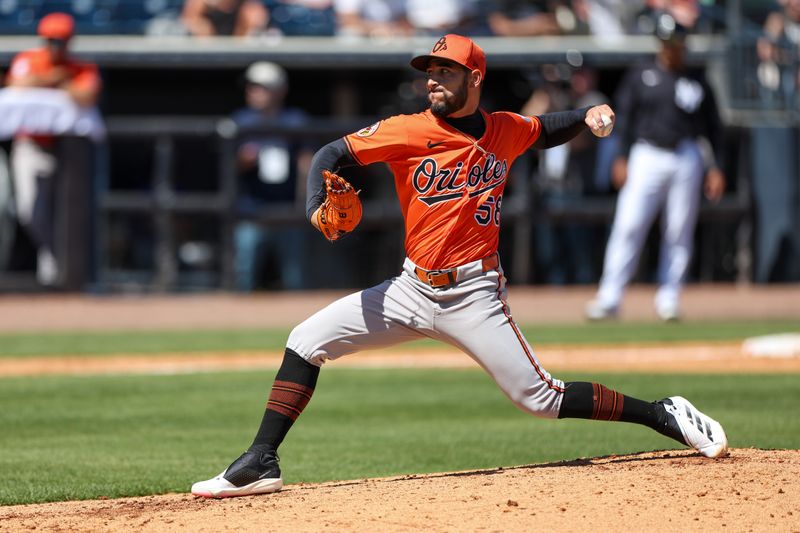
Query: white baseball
{"points": [[605, 130]]}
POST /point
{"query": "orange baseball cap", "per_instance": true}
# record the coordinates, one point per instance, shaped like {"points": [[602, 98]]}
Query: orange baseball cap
{"points": [[56, 26], [456, 48]]}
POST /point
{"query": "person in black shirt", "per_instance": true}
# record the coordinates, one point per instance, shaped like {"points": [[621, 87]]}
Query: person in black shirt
{"points": [[662, 112]]}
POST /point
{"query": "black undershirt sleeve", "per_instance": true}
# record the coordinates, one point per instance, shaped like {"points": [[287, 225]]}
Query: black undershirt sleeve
{"points": [[560, 127], [332, 156], [714, 131]]}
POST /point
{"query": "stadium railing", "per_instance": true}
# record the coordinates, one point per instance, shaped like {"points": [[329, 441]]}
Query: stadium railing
{"points": [[163, 201]]}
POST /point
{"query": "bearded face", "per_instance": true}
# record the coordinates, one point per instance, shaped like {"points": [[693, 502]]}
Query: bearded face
{"points": [[447, 90]]}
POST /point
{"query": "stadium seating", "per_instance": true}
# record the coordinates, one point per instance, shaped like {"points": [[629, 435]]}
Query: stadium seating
{"points": [[19, 17], [92, 17], [134, 17]]}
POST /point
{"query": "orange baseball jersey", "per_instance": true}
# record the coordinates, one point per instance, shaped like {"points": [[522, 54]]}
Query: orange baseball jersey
{"points": [[37, 61], [450, 185]]}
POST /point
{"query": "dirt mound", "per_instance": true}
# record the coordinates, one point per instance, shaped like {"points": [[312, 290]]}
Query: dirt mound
{"points": [[750, 490]]}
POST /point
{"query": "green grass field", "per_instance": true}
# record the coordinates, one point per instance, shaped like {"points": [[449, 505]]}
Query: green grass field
{"points": [[87, 437], [77, 437], [150, 342]]}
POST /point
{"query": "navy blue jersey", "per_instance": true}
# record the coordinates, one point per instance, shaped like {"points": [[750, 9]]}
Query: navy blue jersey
{"points": [[663, 108], [274, 178]]}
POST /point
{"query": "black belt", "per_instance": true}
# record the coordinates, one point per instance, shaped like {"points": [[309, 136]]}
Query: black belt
{"points": [[664, 145]]}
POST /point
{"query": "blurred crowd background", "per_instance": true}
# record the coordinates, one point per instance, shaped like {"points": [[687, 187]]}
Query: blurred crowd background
{"points": [[185, 171], [374, 18]]}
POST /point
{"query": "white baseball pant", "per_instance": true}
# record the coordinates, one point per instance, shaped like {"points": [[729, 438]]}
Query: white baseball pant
{"points": [[657, 178], [471, 315], [34, 169]]}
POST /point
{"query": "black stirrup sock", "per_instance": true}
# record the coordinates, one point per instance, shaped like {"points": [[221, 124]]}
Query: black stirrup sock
{"points": [[597, 402], [294, 385]]}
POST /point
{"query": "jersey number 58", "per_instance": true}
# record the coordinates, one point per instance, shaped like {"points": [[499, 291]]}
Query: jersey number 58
{"points": [[489, 211]]}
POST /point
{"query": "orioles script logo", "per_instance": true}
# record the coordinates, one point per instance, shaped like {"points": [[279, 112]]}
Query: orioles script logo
{"points": [[436, 185], [441, 44]]}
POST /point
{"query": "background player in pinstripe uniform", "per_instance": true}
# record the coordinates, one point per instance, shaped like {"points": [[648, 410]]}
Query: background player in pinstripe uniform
{"points": [[663, 110]]}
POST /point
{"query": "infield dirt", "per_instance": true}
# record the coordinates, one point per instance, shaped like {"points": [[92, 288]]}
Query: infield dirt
{"points": [[670, 491]]}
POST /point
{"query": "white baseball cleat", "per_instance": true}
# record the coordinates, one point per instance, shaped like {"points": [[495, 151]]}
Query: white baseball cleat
{"points": [[699, 431], [668, 313], [255, 472], [219, 487], [596, 311]]}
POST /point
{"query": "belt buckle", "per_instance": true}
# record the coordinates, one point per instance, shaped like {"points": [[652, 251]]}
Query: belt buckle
{"points": [[430, 274]]}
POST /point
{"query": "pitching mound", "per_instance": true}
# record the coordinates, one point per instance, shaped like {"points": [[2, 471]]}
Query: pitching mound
{"points": [[750, 490]]}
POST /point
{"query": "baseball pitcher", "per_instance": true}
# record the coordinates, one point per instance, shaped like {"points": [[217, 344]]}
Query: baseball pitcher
{"points": [[451, 166]]}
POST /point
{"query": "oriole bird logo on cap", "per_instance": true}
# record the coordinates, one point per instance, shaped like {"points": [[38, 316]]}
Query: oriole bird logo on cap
{"points": [[456, 48]]}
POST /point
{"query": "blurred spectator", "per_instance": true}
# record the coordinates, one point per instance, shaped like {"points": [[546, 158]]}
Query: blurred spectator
{"points": [[33, 157], [239, 18], [517, 18], [775, 147], [7, 221], [566, 176], [779, 54], [465, 17], [684, 12], [271, 171], [372, 18], [302, 17], [610, 19], [662, 110]]}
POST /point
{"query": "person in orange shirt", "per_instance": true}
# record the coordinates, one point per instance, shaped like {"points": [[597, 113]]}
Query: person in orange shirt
{"points": [[33, 157], [451, 165]]}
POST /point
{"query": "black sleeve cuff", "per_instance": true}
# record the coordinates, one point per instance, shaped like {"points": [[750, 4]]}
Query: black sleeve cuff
{"points": [[560, 127], [332, 156]]}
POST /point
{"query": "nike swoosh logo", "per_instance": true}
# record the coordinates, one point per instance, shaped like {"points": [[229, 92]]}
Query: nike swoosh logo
{"points": [[433, 144]]}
